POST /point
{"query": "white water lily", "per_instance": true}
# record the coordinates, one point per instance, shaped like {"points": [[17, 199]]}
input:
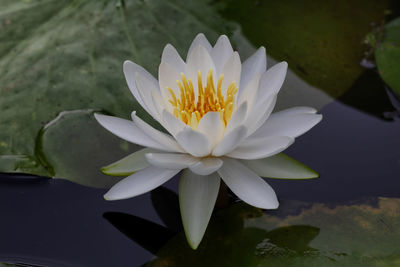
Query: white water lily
{"points": [[218, 115]]}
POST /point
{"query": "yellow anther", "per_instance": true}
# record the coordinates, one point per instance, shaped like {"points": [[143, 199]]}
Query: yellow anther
{"points": [[190, 109], [174, 102]]}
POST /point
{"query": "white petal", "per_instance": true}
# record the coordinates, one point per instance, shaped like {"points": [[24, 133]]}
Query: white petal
{"points": [[254, 65], [172, 123], [129, 164], [247, 185], [259, 114], [250, 91], [280, 166], [170, 160], [271, 81], [159, 105], [168, 76], [146, 88], [139, 183], [221, 52], [231, 72], [128, 131], [194, 142], [199, 60], [130, 69], [161, 137], [206, 166], [171, 56], [287, 124], [299, 110], [230, 141], [261, 147], [197, 196], [212, 126], [237, 118], [199, 40]]}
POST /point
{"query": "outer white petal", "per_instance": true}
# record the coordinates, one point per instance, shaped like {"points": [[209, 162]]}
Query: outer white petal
{"points": [[168, 76], [230, 141], [254, 65], [247, 185], [139, 183], [146, 88], [272, 80], [172, 123], [197, 196], [199, 40], [237, 118], [261, 148], [199, 60], [206, 166], [287, 124], [129, 164], [194, 142], [161, 137], [170, 160], [221, 52], [212, 126], [128, 131], [158, 104], [172, 57], [259, 114], [130, 69], [280, 166], [231, 71], [250, 91]]}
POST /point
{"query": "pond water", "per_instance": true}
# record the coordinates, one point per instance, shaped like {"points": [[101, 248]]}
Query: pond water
{"points": [[53, 222]]}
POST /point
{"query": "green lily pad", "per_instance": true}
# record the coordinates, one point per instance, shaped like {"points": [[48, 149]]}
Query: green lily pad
{"points": [[387, 55], [320, 40], [75, 147], [362, 234], [68, 55]]}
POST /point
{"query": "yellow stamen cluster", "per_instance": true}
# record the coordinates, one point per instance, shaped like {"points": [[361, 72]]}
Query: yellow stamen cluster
{"points": [[190, 110]]}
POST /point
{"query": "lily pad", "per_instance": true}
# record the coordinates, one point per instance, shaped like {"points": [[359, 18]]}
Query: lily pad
{"points": [[361, 234], [320, 40], [75, 147], [68, 55], [387, 55]]}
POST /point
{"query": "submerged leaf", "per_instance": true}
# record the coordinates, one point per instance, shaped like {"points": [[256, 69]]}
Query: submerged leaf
{"points": [[362, 234]]}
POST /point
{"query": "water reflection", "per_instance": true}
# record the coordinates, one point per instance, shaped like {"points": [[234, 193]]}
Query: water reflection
{"points": [[358, 234]]}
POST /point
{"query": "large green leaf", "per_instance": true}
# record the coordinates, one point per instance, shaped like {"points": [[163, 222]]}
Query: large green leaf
{"points": [[68, 55], [362, 234], [387, 55]]}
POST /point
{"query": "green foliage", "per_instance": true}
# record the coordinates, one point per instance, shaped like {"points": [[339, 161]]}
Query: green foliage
{"points": [[68, 55], [320, 40], [387, 55]]}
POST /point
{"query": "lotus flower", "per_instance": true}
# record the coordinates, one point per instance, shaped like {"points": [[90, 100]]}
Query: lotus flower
{"points": [[217, 112]]}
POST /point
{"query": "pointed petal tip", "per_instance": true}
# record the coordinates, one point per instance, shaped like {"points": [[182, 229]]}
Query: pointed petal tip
{"points": [[107, 197], [126, 65], [270, 205], [200, 34], [193, 244]]}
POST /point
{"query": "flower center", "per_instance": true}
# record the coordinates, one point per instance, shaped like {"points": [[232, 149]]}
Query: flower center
{"points": [[190, 109]]}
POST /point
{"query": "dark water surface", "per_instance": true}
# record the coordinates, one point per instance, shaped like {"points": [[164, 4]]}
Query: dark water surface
{"points": [[51, 222]]}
